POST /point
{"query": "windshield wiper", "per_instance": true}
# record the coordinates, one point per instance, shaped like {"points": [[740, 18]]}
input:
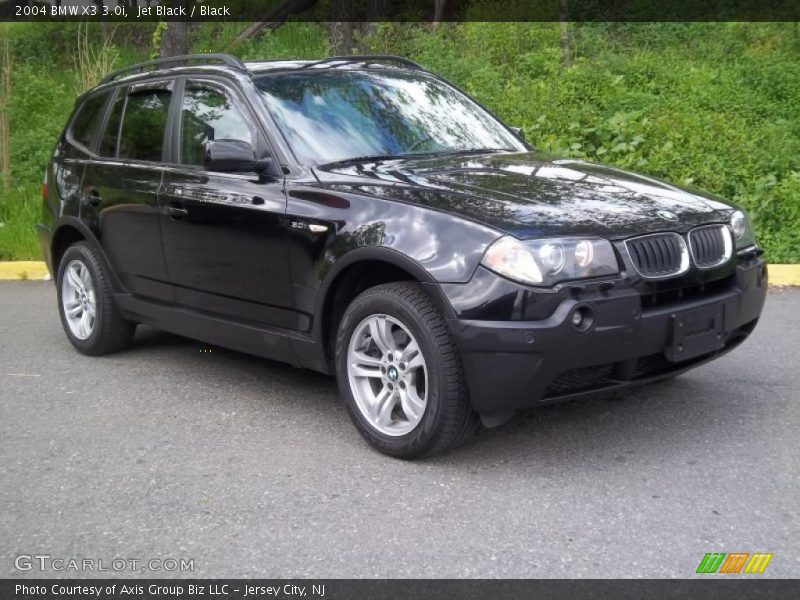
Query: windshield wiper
{"points": [[377, 157], [477, 151]]}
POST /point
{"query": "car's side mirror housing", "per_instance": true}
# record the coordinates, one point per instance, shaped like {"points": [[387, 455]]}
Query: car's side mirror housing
{"points": [[518, 131], [235, 156]]}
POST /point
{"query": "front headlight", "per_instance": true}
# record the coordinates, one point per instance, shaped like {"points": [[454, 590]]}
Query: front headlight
{"points": [[742, 230], [547, 262]]}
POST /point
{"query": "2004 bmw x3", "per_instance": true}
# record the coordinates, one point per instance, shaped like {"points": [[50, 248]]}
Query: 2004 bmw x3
{"points": [[363, 217]]}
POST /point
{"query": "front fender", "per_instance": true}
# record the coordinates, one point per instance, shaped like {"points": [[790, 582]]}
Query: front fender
{"points": [[442, 247]]}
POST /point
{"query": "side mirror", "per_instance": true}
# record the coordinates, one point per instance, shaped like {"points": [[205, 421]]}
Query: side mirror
{"points": [[231, 156], [518, 131]]}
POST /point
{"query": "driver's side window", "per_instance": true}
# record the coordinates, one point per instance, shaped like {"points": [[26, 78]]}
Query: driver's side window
{"points": [[208, 114]]}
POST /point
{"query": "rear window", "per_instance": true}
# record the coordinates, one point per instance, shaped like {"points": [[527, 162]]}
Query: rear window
{"points": [[87, 120], [144, 123]]}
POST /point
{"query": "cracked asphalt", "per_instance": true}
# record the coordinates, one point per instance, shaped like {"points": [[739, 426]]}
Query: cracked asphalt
{"points": [[251, 468]]}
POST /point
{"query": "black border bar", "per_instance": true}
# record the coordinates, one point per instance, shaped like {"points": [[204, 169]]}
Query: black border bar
{"points": [[401, 10], [708, 588]]}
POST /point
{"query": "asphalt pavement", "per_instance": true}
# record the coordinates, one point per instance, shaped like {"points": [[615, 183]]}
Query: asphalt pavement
{"points": [[250, 468]]}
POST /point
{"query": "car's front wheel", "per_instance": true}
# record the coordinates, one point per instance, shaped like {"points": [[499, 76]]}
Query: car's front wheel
{"points": [[400, 374], [86, 304]]}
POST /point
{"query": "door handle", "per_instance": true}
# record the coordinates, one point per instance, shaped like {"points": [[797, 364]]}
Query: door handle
{"points": [[176, 211]]}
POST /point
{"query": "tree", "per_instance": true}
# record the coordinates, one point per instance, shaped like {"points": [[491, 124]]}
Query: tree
{"points": [[174, 39], [274, 18], [175, 36], [566, 50]]}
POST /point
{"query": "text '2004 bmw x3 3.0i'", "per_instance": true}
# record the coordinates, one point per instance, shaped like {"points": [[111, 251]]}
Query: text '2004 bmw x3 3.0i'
{"points": [[362, 217]]}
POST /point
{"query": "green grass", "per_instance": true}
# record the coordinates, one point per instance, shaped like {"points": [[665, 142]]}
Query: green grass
{"points": [[20, 209]]}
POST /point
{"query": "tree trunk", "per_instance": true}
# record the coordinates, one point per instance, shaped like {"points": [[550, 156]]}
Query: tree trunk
{"points": [[438, 11], [566, 51], [274, 18], [5, 95], [341, 38], [174, 40]]}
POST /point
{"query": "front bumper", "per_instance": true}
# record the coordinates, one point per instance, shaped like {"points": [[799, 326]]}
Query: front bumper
{"points": [[516, 364]]}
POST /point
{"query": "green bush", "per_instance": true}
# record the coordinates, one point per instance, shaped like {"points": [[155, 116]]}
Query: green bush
{"points": [[713, 106]]}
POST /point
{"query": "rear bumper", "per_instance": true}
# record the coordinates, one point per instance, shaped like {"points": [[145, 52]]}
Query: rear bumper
{"points": [[517, 364], [45, 237]]}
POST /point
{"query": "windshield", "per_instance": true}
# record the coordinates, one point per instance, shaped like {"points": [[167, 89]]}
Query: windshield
{"points": [[346, 114]]}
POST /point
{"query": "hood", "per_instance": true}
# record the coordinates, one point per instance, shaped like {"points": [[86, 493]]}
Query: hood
{"points": [[530, 195]]}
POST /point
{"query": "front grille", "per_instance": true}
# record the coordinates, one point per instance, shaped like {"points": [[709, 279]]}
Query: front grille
{"points": [[576, 380], [652, 364], [588, 379], [658, 255], [664, 296], [711, 246]]}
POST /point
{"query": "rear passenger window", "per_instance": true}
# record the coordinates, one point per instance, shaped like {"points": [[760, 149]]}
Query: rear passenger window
{"points": [[88, 118], [142, 135], [108, 143]]}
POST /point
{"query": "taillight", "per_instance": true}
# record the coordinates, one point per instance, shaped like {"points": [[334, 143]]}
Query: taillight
{"points": [[44, 187]]}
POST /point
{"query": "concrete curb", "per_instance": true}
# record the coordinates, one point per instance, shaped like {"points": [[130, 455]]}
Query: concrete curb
{"points": [[784, 274], [31, 269], [23, 269]]}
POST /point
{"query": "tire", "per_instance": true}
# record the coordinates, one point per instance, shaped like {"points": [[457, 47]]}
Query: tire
{"points": [[83, 282], [405, 428]]}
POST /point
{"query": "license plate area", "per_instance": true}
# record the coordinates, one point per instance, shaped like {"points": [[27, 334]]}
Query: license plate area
{"points": [[696, 332]]}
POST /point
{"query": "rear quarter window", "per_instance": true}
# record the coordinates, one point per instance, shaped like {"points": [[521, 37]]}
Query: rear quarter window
{"points": [[86, 121]]}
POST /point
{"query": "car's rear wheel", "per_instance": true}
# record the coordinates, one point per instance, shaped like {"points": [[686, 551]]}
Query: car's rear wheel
{"points": [[90, 318], [400, 374]]}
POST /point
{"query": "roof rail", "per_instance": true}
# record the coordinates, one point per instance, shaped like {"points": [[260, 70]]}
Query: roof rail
{"points": [[186, 59], [366, 58]]}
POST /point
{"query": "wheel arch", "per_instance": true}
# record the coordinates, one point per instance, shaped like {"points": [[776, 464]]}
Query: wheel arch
{"points": [[71, 230], [358, 271]]}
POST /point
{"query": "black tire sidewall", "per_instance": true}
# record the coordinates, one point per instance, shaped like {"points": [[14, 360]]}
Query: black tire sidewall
{"points": [[423, 437]]}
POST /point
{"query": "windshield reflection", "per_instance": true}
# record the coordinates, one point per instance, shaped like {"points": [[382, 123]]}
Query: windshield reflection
{"points": [[345, 114]]}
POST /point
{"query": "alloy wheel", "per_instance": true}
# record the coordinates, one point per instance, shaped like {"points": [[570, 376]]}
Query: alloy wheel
{"points": [[388, 375], [78, 299]]}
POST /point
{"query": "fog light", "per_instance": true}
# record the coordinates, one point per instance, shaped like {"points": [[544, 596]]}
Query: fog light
{"points": [[582, 318]]}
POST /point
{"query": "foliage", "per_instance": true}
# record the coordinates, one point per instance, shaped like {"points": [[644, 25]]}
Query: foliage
{"points": [[708, 105], [19, 210], [92, 61]]}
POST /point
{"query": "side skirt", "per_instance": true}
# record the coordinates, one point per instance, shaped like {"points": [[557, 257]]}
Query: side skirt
{"points": [[275, 344]]}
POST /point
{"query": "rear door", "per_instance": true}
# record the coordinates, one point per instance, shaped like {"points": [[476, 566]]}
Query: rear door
{"points": [[65, 171], [224, 233], [119, 193]]}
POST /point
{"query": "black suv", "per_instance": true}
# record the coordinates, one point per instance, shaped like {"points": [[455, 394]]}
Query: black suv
{"points": [[362, 217]]}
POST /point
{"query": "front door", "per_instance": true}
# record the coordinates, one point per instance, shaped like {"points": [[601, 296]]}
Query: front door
{"points": [[224, 233]]}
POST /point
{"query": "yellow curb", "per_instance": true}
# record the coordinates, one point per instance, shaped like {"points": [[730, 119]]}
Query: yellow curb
{"points": [[31, 269], [784, 274], [23, 269]]}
